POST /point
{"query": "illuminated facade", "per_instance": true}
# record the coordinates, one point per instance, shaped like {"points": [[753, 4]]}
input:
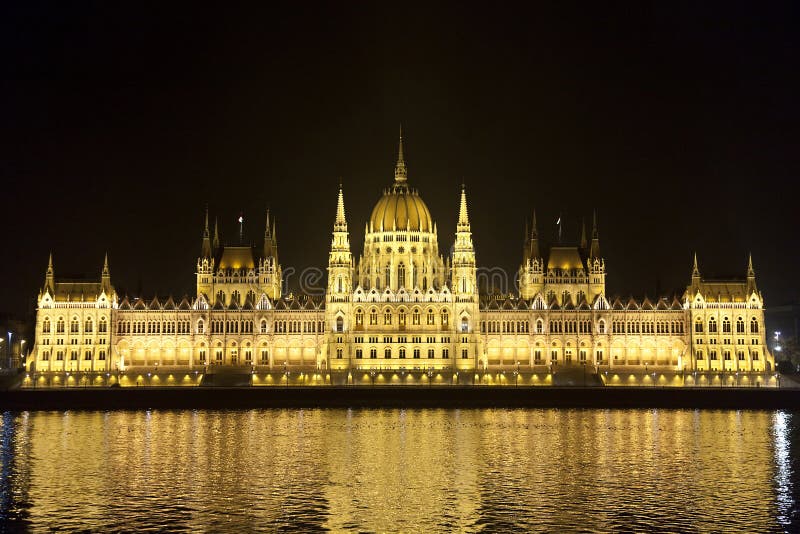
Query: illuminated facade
{"points": [[401, 306]]}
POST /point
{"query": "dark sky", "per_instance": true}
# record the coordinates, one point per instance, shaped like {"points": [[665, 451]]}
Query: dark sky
{"points": [[120, 123]]}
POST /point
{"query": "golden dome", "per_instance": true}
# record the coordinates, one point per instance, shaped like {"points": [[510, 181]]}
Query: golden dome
{"points": [[401, 208]]}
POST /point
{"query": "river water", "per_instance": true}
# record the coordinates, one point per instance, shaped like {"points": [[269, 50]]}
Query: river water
{"points": [[400, 470]]}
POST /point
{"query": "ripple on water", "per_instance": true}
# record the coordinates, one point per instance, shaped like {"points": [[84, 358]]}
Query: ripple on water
{"points": [[400, 470]]}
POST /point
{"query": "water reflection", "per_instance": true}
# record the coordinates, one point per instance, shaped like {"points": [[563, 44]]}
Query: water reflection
{"points": [[400, 470]]}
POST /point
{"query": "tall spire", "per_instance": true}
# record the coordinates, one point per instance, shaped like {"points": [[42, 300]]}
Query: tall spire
{"points": [[215, 243], [400, 171], [266, 226], [49, 281], [340, 216], [750, 271], [594, 251], [105, 266], [463, 217], [534, 243], [695, 269], [205, 249], [584, 243]]}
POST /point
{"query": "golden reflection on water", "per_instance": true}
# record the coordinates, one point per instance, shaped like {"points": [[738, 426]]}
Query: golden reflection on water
{"points": [[399, 470]]}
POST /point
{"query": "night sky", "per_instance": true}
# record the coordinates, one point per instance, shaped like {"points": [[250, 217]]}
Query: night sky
{"points": [[120, 123]]}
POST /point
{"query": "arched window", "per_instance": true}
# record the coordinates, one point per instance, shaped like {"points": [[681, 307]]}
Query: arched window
{"points": [[200, 326], [539, 326], [387, 353], [236, 297], [74, 325], [46, 326], [60, 325], [402, 352], [221, 296], [401, 275], [263, 326], [103, 326], [339, 324], [359, 317], [753, 326], [698, 326], [388, 276], [464, 324], [726, 325], [564, 297], [712, 326], [373, 316], [601, 326], [401, 317], [339, 284], [415, 317], [431, 317], [387, 316], [445, 317], [739, 325], [89, 328]]}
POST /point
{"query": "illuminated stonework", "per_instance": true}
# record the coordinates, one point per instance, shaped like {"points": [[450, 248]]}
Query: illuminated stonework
{"points": [[401, 306]]}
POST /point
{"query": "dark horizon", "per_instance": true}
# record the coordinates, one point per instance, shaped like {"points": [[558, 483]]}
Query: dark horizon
{"points": [[679, 125]]}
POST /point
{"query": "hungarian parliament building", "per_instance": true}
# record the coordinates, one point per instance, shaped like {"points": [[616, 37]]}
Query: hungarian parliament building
{"points": [[401, 305]]}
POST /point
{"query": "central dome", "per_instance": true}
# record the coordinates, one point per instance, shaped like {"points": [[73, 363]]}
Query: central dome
{"points": [[401, 208]]}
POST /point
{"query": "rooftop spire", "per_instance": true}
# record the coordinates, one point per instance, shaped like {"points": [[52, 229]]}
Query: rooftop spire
{"points": [[105, 265], [463, 217], [695, 269], [400, 171], [594, 251], [534, 231], [340, 218], [750, 271], [50, 264], [215, 243], [584, 243], [266, 226], [205, 230]]}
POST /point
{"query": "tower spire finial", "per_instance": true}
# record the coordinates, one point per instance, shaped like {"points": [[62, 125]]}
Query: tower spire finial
{"points": [[695, 269], [463, 216], [584, 243], [400, 170], [750, 271], [340, 215]]}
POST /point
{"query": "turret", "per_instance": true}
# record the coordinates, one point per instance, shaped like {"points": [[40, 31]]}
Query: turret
{"points": [[105, 276], [531, 272], [751, 276], [340, 288], [49, 277], [595, 263], [270, 275], [464, 283]]}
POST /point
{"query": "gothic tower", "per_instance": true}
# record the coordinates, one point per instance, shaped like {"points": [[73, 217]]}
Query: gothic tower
{"points": [[340, 287]]}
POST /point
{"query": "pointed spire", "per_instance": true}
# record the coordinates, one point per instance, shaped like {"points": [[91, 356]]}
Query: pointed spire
{"points": [[50, 264], [267, 233], [340, 216], [105, 266], [695, 269], [215, 243], [594, 251], [463, 216], [205, 248], [400, 171], [534, 230], [584, 243], [750, 271]]}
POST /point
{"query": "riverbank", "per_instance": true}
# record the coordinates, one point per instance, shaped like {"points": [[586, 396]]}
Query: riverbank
{"points": [[394, 397]]}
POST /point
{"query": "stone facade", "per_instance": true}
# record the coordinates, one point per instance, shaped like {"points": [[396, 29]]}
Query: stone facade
{"points": [[401, 306]]}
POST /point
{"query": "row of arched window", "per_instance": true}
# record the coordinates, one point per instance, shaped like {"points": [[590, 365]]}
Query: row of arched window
{"points": [[726, 325], [297, 327], [387, 317], [75, 326], [647, 327]]}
